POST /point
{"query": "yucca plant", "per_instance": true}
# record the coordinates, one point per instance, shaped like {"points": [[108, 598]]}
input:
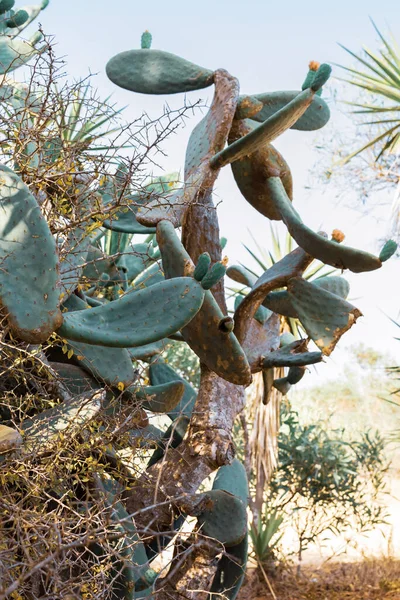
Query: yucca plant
{"points": [[379, 77]]}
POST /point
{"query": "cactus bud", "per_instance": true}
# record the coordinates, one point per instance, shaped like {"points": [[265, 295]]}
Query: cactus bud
{"points": [[146, 40], [202, 266], [321, 77], [388, 250], [216, 272]]}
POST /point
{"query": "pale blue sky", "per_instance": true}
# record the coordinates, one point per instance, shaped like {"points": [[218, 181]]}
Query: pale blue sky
{"points": [[267, 45]]}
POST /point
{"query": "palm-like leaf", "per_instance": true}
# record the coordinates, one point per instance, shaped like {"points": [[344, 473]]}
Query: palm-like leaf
{"points": [[379, 77]]}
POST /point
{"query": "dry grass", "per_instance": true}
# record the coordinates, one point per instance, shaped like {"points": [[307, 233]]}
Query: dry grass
{"points": [[371, 579]]}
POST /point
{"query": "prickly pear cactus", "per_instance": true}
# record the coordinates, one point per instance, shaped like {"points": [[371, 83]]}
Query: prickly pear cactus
{"points": [[94, 287]]}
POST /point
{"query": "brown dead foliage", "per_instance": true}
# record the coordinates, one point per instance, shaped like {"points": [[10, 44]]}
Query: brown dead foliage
{"points": [[371, 579]]}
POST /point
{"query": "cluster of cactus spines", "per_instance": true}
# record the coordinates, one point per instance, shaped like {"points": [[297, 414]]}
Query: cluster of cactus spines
{"points": [[114, 303]]}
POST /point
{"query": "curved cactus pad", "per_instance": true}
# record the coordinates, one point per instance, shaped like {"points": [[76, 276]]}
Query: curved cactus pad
{"points": [[138, 318], [224, 518], [162, 398], [280, 302], [159, 373], [241, 275], [28, 257], [112, 366], [206, 139], [270, 129], [251, 172], [148, 71], [42, 432], [324, 316], [232, 566], [218, 350], [331, 253], [316, 116], [294, 354]]}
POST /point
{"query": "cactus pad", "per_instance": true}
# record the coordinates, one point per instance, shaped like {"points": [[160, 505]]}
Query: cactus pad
{"points": [[324, 316], [29, 289], [206, 139], [148, 71]]}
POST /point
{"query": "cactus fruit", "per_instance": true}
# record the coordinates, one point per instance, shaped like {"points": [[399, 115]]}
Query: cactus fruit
{"points": [[29, 291]]}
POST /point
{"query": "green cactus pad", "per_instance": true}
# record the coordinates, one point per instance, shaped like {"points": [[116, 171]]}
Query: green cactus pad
{"points": [[282, 385], [42, 432], [14, 54], [172, 438], [148, 351], [162, 398], [388, 250], [328, 252], [125, 221], [233, 479], [10, 439], [202, 266], [33, 11], [219, 351], [280, 302], [75, 379], [97, 263], [251, 172], [6, 5], [112, 366], [324, 316], [160, 373], [18, 19], [295, 375], [224, 519], [232, 566], [207, 138], [230, 572], [241, 275], [148, 277], [131, 562], [146, 39], [316, 116], [137, 318], [149, 71], [29, 289], [275, 277], [216, 273], [294, 354], [270, 129]]}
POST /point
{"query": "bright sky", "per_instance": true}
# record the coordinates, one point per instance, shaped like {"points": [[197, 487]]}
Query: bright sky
{"points": [[268, 46]]}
